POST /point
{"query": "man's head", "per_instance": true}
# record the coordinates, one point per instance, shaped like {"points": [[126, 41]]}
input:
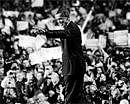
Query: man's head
{"points": [[64, 12], [62, 16]]}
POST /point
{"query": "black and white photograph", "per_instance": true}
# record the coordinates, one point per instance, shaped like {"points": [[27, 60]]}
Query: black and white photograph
{"points": [[64, 51]]}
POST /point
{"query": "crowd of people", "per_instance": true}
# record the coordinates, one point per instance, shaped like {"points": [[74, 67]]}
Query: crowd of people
{"points": [[106, 78]]}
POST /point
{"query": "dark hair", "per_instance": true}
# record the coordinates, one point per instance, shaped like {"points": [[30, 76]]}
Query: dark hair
{"points": [[64, 11]]}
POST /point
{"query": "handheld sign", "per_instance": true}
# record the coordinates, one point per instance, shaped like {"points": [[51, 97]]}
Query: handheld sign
{"points": [[121, 37]]}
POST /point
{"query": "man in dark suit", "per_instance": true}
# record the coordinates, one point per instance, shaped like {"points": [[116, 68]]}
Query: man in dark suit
{"points": [[73, 61]]}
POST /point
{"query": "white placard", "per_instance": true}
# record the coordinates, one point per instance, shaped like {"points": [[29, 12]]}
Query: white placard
{"points": [[128, 15], [30, 41], [92, 43], [22, 25], [26, 41], [37, 3], [10, 13], [51, 53], [121, 37], [102, 41]]}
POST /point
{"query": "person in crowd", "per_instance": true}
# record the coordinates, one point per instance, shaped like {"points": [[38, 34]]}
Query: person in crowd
{"points": [[8, 83], [20, 88]]}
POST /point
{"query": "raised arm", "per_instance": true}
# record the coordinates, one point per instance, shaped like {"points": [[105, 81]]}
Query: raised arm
{"points": [[71, 31], [58, 33]]}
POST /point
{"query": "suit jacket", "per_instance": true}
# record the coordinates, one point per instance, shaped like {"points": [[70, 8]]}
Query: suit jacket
{"points": [[73, 62]]}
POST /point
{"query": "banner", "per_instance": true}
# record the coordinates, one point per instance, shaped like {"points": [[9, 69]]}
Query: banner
{"points": [[30, 41], [36, 58], [45, 54], [121, 37], [22, 25], [8, 23]]}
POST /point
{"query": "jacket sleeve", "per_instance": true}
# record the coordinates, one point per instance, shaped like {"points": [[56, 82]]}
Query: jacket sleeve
{"points": [[58, 33], [71, 31]]}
